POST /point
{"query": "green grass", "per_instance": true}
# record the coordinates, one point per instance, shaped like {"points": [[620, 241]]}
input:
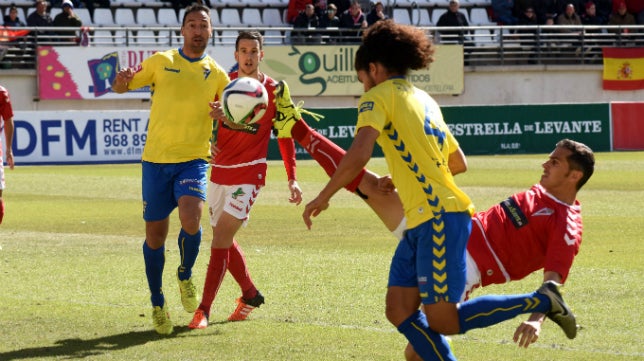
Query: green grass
{"points": [[72, 282]]}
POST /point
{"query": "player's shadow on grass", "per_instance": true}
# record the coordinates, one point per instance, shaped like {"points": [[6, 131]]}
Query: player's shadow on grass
{"points": [[79, 348]]}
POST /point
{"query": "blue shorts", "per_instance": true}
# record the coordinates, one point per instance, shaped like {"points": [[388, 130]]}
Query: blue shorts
{"points": [[164, 184], [432, 258]]}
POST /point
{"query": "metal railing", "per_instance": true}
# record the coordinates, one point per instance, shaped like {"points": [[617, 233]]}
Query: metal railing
{"points": [[483, 45]]}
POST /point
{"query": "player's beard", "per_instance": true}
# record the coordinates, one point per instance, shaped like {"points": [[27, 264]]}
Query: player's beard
{"points": [[198, 47]]}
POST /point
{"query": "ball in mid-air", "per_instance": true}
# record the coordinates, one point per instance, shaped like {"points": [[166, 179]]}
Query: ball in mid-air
{"points": [[245, 100]]}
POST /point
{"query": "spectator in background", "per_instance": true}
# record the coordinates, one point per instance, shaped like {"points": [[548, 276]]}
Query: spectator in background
{"points": [[6, 127], [354, 20], [330, 18], [504, 12], [40, 16], [529, 37], [590, 17], [453, 17], [306, 19], [341, 5], [12, 19], [549, 9], [320, 8], [634, 7], [67, 18], [621, 16], [294, 8], [569, 17], [377, 13]]}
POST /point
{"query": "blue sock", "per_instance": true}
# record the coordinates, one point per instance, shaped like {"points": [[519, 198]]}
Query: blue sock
{"points": [[188, 249], [154, 262], [485, 311], [428, 344]]}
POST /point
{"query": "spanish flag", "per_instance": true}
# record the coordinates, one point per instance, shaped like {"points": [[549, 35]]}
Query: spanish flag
{"points": [[623, 68]]}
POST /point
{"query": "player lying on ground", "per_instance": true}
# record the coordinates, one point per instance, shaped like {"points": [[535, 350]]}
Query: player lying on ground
{"points": [[549, 239]]}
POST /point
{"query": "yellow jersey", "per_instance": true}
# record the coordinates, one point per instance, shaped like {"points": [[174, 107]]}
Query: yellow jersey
{"points": [[180, 126], [416, 143]]}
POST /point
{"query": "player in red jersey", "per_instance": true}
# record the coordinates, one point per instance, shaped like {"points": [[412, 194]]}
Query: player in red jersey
{"points": [[237, 176], [537, 229], [6, 126]]}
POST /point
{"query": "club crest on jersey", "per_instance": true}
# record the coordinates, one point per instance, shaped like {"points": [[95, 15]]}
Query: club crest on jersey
{"points": [[366, 106], [206, 73], [238, 193]]}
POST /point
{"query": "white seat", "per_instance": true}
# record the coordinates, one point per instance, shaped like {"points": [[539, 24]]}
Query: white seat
{"points": [[84, 15], [103, 17], [102, 38], [227, 37], [146, 37], [420, 17], [214, 18], [273, 17], [479, 16], [150, 3], [124, 17], [276, 3], [122, 37], [54, 12], [436, 14], [401, 16], [273, 37], [230, 17], [251, 17], [483, 37], [146, 17], [167, 17]]}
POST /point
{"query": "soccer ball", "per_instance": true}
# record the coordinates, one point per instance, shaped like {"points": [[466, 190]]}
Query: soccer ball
{"points": [[245, 100]]}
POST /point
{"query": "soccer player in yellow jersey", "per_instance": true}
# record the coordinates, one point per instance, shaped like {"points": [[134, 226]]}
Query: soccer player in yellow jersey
{"points": [[183, 82], [428, 268]]}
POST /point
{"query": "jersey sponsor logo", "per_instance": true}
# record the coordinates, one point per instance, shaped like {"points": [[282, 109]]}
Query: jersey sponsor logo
{"points": [[366, 106], [544, 212], [172, 70], [514, 213]]}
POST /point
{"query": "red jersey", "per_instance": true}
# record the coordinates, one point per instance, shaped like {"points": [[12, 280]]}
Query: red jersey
{"points": [[529, 231], [242, 156], [6, 111]]}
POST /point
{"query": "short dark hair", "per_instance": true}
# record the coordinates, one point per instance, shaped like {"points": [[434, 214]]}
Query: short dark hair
{"points": [[581, 158], [250, 35], [193, 8]]}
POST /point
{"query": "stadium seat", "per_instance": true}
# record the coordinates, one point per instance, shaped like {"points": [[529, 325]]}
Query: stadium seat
{"points": [[251, 17], [230, 17], [436, 14], [84, 15], [479, 16], [103, 17], [102, 38], [167, 17], [401, 16], [122, 37], [274, 37], [145, 37], [124, 17], [150, 3], [146, 17], [214, 18], [273, 17], [420, 17], [55, 11], [227, 37]]}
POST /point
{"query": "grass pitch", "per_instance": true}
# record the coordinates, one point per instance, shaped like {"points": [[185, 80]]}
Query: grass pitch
{"points": [[72, 281]]}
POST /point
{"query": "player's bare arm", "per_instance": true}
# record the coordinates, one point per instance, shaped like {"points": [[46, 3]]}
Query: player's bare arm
{"points": [[122, 79]]}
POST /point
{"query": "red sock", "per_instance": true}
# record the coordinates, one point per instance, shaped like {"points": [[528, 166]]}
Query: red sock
{"points": [[216, 272], [323, 150], [1, 210], [239, 270]]}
